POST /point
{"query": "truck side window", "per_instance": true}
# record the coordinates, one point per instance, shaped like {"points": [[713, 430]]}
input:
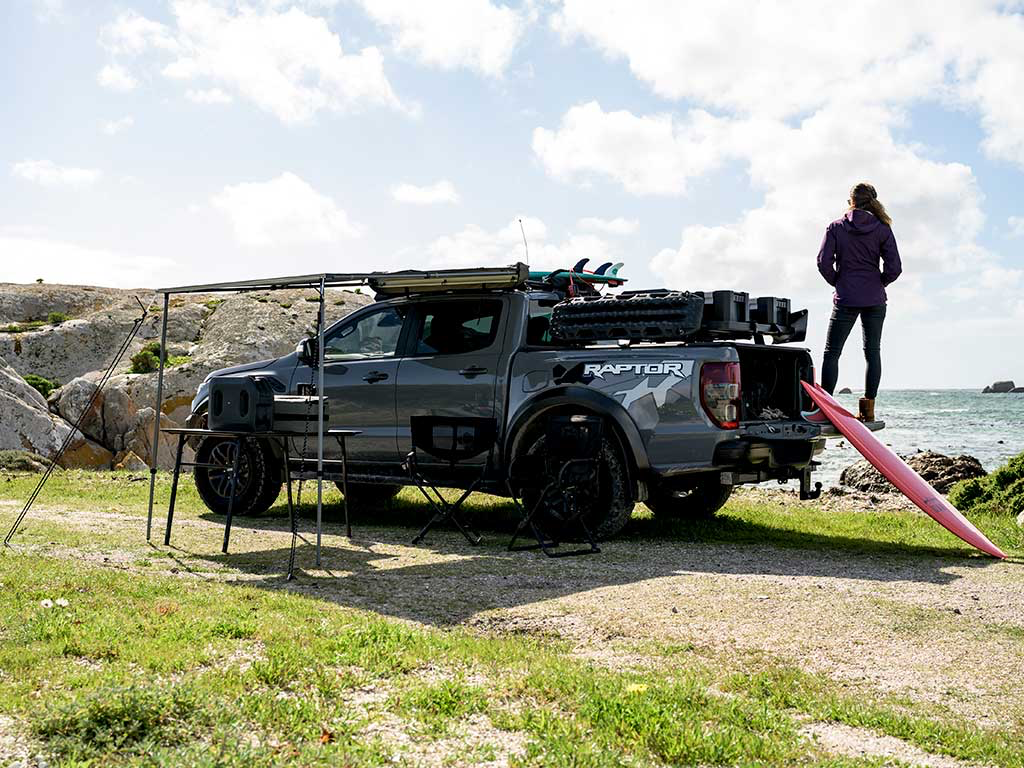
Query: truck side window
{"points": [[457, 327], [538, 326], [371, 336]]}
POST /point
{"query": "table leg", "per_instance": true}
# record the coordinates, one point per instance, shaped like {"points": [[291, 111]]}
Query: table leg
{"points": [[174, 488], [344, 486], [234, 488], [291, 508]]}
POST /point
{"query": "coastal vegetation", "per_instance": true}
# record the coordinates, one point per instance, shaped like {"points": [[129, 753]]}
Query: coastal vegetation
{"points": [[998, 493]]}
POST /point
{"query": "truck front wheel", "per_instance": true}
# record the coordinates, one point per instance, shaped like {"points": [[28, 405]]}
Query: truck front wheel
{"points": [[694, 499], [613, 505], [259, 481]]}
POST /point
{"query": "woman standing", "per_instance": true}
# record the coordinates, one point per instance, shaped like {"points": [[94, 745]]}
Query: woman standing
{"points": [[859, 258]]}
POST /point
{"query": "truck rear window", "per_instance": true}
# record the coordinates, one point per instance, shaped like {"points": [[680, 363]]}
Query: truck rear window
{"points": [[538, 325]]}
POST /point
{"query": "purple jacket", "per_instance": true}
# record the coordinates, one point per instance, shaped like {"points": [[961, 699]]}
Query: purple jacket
{"points": [[849, 256]]}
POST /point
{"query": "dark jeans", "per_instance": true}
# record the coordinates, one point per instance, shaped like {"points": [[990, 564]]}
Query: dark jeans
{"points": [[839, 327]]}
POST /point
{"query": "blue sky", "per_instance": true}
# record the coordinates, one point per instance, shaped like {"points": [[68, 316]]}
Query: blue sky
{"points": [[152, 143]]}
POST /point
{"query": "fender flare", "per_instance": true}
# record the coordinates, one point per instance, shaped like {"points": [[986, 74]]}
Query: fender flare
{"points": [[575, 395]]}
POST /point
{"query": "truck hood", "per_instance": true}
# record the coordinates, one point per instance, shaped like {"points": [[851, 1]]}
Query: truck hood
{"points": [[240, 368]]}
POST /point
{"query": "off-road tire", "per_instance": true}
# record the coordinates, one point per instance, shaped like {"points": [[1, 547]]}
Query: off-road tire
{"points": [[698, 499], [259, 479], [656, 317], [370, 496], [616, 502]]}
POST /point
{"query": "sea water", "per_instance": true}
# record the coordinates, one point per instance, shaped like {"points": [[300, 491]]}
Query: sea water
{"points": [[948, 421]]}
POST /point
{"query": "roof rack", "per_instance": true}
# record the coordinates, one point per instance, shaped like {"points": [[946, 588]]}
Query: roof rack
{"points": [[386, 283]]}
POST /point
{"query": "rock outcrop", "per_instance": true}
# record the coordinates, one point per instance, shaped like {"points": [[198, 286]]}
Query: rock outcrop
{"points": [[26, 424], [205, 333], [845, 391], [1000, 387], [942, 472]]}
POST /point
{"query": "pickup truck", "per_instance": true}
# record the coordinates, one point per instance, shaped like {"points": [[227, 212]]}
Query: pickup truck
{"points": [[686, 421]]}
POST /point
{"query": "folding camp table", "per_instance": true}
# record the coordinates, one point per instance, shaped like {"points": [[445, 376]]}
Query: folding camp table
{"points": [[236, 437]]}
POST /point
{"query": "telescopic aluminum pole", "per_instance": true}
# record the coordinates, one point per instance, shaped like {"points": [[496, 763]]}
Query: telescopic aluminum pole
{"points": [[156, 424], [320, 423]]}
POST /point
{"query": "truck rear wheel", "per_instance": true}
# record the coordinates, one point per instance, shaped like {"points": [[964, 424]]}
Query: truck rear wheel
{"points": [[696, 499], [614, 504], [259, 482]]}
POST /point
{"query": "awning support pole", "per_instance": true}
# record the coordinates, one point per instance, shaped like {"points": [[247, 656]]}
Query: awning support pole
{"points": [[154, 449], [320, 422]]}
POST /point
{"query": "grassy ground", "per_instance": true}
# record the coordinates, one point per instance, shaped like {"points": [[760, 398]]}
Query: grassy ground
{"points": [[115, 652]]}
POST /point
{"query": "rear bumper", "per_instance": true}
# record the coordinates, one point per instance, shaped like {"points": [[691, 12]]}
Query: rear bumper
{"points": [[771, 445]]}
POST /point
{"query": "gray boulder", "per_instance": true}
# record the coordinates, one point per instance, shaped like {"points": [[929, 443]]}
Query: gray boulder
{"points": [[940, 471], [26, 424], [999, 387]]}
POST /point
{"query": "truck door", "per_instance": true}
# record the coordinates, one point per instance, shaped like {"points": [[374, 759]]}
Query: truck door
{"points": [[360, 372], [451, 363]]}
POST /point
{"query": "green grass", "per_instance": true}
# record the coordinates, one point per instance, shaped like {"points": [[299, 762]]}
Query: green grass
{"points": [[145, 667], [137, 670]]}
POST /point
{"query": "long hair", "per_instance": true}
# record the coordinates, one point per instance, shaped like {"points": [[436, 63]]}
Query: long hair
{"points": [[864, 197]]}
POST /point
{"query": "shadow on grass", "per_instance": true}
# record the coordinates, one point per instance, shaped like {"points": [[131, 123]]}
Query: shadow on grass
{"points": [[458, 580]]}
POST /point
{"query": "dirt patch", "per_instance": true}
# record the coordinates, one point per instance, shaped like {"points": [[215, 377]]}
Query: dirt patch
{"points": [[858, 742]]}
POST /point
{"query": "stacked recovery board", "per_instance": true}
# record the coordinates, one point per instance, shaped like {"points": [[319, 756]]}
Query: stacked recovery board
{"points": [[661, 316]]}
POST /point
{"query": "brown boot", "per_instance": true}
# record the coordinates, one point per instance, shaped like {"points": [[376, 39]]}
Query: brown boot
{"points": [[867, 409]]}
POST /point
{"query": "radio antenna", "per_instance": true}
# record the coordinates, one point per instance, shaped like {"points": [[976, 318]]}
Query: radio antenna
{"points": [[525, 244]]}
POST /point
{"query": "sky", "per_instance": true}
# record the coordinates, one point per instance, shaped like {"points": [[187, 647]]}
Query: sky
{"points": [[706, 145]]}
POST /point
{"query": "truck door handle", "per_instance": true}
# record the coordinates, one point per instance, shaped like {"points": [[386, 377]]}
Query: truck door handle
{"points": [[473, 370], [374, 376]]}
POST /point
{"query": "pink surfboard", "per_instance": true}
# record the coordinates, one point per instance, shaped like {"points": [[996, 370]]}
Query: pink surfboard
{"points": [[899, 474]]}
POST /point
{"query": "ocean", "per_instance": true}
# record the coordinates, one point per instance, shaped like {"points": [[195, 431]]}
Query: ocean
{"points": [[948, 421]]}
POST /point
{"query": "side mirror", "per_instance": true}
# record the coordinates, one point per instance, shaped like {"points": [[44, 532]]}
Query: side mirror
{"points": [[306, 351]]}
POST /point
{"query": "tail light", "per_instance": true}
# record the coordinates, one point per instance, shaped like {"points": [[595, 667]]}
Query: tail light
{"points": [[720, 393]]}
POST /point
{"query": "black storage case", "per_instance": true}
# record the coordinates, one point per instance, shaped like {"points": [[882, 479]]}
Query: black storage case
{"points": [[298, 413], [241, 403], [726, 307], [770, 310]]}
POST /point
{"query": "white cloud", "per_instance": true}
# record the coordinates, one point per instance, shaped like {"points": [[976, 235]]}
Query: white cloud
{"points": [[288, 63], [474, 246], [283, 211], [451, 34], [46, 173], [116, 78], [439, 192], [648, 155], [131, 34], [208, 96], [936, 207], [58, 261], [787, 60], [616, 226], [1016, 225], [114, 127]]}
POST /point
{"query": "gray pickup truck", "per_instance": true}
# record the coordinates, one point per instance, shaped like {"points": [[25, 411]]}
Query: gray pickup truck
{"points": [[686, 422]]}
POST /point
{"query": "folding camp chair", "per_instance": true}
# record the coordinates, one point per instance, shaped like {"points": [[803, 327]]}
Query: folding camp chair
{"points": [[454, 441], [559, 482]]}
